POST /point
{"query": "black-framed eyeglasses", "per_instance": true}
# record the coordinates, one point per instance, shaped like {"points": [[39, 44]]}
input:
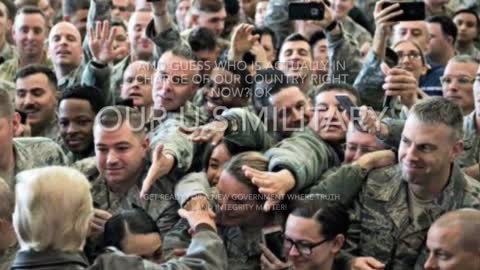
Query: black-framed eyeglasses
{"points": [[303, 248]]}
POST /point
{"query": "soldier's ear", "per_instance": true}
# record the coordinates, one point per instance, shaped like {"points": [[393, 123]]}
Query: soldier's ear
{"points": [[338, 243], [146, 143], [457, 149]]}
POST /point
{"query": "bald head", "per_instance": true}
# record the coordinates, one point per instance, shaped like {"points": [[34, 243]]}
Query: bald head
{"points": [[65, 45], [465, 222], [137, 83]]}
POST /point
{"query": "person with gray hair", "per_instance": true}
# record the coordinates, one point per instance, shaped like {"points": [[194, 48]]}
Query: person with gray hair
{"points": [[457, 81], [453, 243], [470, 158], [8, 240], [397, 203], [53, 208]]}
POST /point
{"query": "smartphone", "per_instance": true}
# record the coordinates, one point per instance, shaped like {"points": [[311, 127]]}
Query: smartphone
{"points": [[391, 57], [273, 239], [412, 11], [306, 11]]}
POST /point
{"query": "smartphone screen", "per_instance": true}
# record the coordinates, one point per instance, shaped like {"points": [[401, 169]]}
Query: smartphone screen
{"points": [[306, 11], [273, 239], [412, 11]]}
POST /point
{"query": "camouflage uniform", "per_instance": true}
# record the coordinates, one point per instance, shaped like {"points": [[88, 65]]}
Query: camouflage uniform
{"points": [[303, 153], [241, 243], [74, 157], [358, 32], [7, 257], [471, 148], [384, 225], [9, 87], [458, 4], [51, 131], [222, 44], [367, 7], [473, 52], [164, 129], [7, 53], [339, 183], [276, 18], [9, 69], [446, 11], [343, 57], [206, 251], [33, 153], [89, 74], [160, 204]]}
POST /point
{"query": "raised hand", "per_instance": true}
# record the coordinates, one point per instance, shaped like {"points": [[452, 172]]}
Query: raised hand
{"points": [[100, 43], [274, 185], [243, 39]]}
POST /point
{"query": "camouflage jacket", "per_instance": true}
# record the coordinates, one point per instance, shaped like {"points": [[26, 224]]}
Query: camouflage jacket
{"points": [[89, 74], [340, 184], [159, 203], [164, 129], [241, 243], [9, 69], [367, 7], [276, 18], [303, 153], [344, 61], [51, 131], [7, 257], [9, 87], [473, 52], [358, 32], [206, 251], [471, 148], [383, 226], [7, 53], [35, 152]]}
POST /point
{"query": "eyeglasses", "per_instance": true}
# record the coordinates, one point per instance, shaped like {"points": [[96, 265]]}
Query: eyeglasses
{"points": [[410, 55], [462, 80], [303, 248]]}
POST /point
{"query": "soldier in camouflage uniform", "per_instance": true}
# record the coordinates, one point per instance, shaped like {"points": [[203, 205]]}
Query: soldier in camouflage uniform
{"points": [[76, 113], [34, 55], [343, 52], [426, 184], [239, 215], [19, 154], [121, 165], [7, 50], [36, 95]]}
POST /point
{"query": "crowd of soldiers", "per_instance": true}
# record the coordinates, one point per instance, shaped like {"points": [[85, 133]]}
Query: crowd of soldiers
{"points": [[220, 134]]}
